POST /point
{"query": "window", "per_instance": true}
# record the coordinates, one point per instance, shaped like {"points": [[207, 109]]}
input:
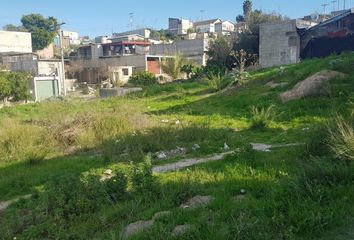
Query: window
{"points": [[125, 71]]}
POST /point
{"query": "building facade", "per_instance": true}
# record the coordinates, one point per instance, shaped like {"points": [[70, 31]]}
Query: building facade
{"points": [[15, 42]]}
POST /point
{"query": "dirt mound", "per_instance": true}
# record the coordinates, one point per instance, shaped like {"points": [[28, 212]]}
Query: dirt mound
{"points": [[315, 85]]}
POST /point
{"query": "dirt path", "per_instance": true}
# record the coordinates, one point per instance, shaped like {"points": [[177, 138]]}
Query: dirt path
{"points": [[6, 204], [189, 162]]}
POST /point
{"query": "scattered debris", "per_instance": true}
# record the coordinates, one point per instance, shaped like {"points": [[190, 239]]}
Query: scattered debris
{"points": [[178, 122], [136, 227], [306, 129], [182, 229], [170, 154], [273, 85], [196, 147], [189, 162], [197, 202], [107, 175], [6, 204], [315, 85], [226, 147], [267, 148], [165, 121], [161, 215], [261, 147]]}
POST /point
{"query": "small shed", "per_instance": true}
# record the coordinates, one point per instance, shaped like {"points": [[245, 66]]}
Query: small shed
{"points": [[46, 87]]}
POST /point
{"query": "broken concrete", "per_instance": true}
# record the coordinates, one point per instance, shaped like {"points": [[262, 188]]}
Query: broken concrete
{"points": [[137, 227], [189, 162], [182, 229], [160, 215], [197, 202], [267, 148], [315, 85]]}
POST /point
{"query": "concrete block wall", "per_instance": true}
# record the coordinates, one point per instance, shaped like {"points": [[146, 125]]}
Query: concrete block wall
{"points": [[279, 44]]}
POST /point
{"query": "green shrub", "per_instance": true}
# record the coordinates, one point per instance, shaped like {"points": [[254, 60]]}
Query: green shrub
{"points": [[142, 179], [116, 187], [143, 79], [342, 139], [262, 117]]}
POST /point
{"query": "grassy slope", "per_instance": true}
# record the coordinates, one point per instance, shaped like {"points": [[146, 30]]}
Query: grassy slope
{"points": [[290, 194]]}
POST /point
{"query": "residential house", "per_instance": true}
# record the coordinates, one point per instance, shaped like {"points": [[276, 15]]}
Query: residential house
{"points": [[178, 26], [74, 37], [15, 42], [145, 32], [207, 26], [225, 28], [47, 73]]}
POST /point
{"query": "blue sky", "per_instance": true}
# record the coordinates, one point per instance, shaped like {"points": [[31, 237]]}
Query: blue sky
{"points": [[102, 17]]}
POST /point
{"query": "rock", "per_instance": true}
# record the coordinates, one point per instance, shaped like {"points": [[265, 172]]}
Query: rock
{"points": [[196, 147], [162, 214], [136, 227], [226, 147], [261, 147], [315, 85], [197, 202], [161, 155], [178, 122], [182, 229], [108, 172], [243, 191], [273, 85]]}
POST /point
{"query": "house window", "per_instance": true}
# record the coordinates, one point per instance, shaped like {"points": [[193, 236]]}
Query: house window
{"points": [[125, 71]]}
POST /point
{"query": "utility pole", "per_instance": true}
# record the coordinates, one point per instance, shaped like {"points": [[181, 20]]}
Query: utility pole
{"points": [[202, 15], [62, 56], [324, 7], [344, 5], [131, 20], [333, 2]]}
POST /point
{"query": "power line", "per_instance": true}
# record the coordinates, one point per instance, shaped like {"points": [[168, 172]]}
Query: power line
{"points": [[324, 7]]}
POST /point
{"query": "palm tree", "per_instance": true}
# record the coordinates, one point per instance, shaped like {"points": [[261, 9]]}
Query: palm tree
{"points": [[247, 8], [172, 66]]}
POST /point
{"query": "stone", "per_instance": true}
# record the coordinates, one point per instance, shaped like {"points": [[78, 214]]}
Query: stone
{"points": [[182, 229], [261, 147], [315, 85], [197, 202], [226, 147], [196, 147], [108, 172], [161, 155], [160, 215], [137, 227]]}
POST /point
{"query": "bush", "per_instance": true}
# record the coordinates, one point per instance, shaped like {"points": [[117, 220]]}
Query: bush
{"points": [[142, 178], [143, 79], [262, 117], [116, 187], [342, 139]]}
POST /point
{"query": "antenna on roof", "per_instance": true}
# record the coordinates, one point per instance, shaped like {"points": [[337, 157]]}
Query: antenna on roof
{"points": [[344, 6], [324, 7]]}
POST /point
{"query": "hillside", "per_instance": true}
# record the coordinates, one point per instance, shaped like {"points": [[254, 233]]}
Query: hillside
{"points": [[88, 167]]}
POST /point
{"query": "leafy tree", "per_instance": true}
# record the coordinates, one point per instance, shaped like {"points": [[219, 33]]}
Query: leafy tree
{"points": [[19, 83], [43, 30], [220, 54], [5, 87], [240, 19], [189, 69], [249, 40], [13, 28], [173, 66], [247, 8], [14, 85]]}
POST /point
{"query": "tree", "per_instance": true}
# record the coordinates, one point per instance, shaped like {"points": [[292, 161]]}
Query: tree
{"points": [[13, 28], [220, 54], [247, 8], [240, 19], [19, 83], [43, 30], [249, 40], [172, 66], [5, 87]]}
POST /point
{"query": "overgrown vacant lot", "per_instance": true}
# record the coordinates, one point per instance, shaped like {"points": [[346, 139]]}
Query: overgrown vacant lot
{"points": [[59, 151]]}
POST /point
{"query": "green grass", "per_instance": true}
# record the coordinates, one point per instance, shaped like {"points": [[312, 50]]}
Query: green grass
{"points": [[299, 192]]}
